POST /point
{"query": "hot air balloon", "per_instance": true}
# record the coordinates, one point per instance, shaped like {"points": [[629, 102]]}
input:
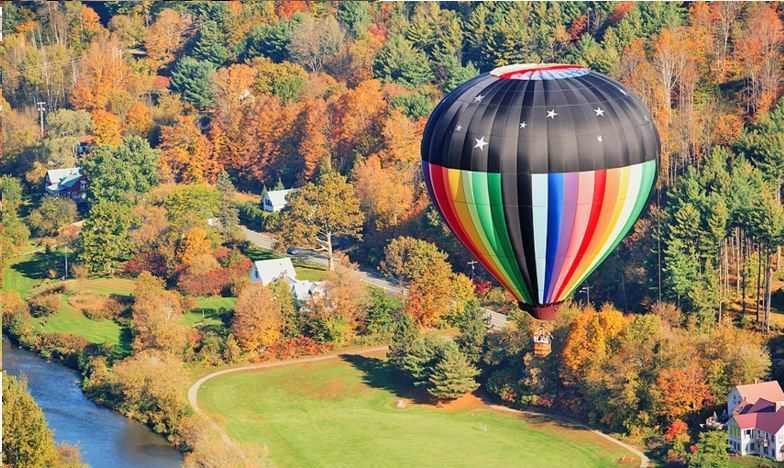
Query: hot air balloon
{"points": [[540, 170]]}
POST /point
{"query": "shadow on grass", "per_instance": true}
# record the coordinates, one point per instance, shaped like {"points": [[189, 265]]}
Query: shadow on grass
{"points": [[123, 349], [379, 374], [36, 267]]}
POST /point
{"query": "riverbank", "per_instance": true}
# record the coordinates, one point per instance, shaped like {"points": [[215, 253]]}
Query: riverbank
{"points": [[105, 438]]}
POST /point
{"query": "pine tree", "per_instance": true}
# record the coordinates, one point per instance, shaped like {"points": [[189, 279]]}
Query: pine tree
{"points": [[452, 376], [229, 213], [473, 330], [405, 335]]}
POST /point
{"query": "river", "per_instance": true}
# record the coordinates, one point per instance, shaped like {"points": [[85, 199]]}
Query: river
{"points": [[105, 438]]}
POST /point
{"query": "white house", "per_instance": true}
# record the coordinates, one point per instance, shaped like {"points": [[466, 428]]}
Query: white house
{"points": [[304, 290], [275, 200], [756, 425], [268, 271]]}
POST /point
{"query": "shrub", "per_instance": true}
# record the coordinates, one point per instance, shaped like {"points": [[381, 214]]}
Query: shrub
{"points": [[251, 215], [290, 348], [13, 307], [45, 305], [63, 346], [96, 306]]}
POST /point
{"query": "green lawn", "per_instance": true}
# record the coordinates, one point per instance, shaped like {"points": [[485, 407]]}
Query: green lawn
{"points": [[341, 413], [70, 320], [25, 271], [209, 310]]}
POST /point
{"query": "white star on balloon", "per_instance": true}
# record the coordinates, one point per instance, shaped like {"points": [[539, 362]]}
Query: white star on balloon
{"points": [[480, 143], [523, 124], [551, 114], [599, 111], [599, 138], [478, 98], [459, 127]]}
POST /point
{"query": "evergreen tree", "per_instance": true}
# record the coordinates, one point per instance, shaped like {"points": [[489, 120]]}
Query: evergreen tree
{"points": [[472, 324], [400, 62], [452, 376], [211, 44], [355, 16], [192, 79], [228, 214], [423, 356], [406, 333]]}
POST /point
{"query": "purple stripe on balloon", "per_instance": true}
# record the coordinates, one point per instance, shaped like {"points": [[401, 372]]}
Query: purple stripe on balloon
{"points": [[569, 209]]}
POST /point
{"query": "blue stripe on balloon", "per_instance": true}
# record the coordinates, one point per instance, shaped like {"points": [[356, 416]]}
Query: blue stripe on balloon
{"points": [[555, 194]]}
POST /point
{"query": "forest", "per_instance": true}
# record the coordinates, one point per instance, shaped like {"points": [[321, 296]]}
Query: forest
{"points": [[183, 115]]}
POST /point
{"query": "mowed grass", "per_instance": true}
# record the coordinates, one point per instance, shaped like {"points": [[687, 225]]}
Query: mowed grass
{"points": [[341, 413], [210, 310], [70, 320]]}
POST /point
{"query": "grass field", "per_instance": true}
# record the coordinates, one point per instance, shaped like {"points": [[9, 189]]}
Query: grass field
{"points": [[209, 310], [70, 320], [341, 413]]}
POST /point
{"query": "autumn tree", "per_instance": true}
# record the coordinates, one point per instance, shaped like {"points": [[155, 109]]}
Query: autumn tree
{"points": [[429, 294], [320, 210], [357, 115], [407, 258], [257, 320], [682, 391], [385, 194], [194, 244], [27, 439], [156, 316], [137, 121], [164, 37], [186, 154], [314, 41], [106, 127], [591, 336], [54, 213], [102, 72], [313, 141]]}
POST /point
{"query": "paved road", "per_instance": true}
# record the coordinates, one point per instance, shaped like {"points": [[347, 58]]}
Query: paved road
{"points": [[371, 277], [194, 391]]}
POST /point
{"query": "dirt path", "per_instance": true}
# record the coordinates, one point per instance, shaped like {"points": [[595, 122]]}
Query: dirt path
{"points": [[194, 391]]}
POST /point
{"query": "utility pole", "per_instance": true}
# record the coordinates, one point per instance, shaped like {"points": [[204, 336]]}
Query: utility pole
{"points": [[472, 263], [66, 262], [41, 109], [587, 290]]}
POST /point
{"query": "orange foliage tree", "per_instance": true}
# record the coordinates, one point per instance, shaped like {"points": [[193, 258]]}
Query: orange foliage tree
{"points": [[590, 336], [102, 71], [106, 127], [257, 320], [386, 194], [194, 244], [682, 391], [138, 120], [186, 154], [357, 114], [164, 37]]}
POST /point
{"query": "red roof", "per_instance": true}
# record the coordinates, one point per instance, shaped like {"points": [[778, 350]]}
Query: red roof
{"points": [[763, 415], [160, 82], [770, 391]]}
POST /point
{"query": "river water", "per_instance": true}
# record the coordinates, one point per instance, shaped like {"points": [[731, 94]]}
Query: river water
{"points": [[105, 438]]}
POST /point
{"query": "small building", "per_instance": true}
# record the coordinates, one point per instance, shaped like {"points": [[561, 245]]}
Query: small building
{"points": [[68, 182], [756, 424], [268, 271], [304, 290], [275, 200]]}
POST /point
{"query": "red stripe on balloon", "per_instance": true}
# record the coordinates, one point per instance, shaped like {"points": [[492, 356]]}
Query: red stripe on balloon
{"points": [[600, 177], [439, 180]]}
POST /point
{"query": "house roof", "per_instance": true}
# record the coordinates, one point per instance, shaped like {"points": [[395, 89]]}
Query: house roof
{"points": [[303, 290], [278, 197], [60, 179], [763, 414], [270, 270], [770, 391]]}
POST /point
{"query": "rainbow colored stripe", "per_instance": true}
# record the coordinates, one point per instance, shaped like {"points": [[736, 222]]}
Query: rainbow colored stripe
{"points": [[578, 219]]}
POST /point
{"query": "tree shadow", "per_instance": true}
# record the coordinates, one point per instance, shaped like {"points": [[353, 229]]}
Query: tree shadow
{"points": [[35, 268], [377, 373]]}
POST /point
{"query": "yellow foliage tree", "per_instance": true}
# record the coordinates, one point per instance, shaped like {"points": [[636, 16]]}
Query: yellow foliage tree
{"points": [[257, 320], [194, 244]]}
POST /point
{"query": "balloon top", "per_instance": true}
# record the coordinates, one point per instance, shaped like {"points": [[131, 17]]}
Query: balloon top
{"points": [[539, 71]]}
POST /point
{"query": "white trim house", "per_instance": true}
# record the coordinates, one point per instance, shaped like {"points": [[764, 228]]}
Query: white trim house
{"points": [[275, 200], [756, 425]]}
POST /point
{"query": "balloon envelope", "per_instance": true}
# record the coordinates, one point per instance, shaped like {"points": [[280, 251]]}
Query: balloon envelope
{"points": [[540, 170]]}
